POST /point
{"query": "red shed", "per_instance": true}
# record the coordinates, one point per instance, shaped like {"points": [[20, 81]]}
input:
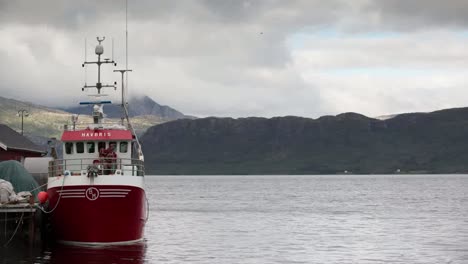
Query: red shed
{"points": [[14, 146]]}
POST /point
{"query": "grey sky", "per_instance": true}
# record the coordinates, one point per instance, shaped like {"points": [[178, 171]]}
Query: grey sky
{"points": [[245, 58]]}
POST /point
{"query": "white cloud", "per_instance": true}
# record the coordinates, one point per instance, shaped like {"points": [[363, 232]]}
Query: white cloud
{"points": [[387, 74], [244, 58]]}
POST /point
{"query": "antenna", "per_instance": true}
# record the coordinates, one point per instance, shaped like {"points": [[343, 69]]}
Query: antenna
{"points": [[123, 72], [112, 49], [99, 51], [100, 40], [85, 53], [126, 43], [126, 35], [85, 59]]}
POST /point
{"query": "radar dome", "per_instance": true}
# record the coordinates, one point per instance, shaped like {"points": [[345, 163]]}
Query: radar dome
{"points": [[99, 50]]}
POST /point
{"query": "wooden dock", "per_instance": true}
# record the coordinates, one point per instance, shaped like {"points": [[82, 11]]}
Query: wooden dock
{"points": [[18, 222]]}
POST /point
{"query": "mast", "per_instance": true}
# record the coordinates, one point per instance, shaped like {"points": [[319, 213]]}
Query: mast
{"points": [[124, 114], [98, 113], [99, 51], [124, 104], [126, 40], [124, 71]]}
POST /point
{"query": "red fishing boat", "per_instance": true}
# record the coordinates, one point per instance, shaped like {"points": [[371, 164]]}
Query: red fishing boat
{"points": [[96, 191]]}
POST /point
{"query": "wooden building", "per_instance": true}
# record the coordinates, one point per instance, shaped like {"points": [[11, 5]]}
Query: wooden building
{"points": [[14, 146]]}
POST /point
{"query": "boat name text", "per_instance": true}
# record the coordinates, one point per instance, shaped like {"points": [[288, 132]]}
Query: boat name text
{"points": [[96, 134]]}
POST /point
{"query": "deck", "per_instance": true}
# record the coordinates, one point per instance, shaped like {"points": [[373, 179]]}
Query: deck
{"points": [[18, 221]]}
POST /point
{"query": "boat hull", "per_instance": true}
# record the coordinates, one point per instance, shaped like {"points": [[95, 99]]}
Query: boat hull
{"points": [[100, 212]]}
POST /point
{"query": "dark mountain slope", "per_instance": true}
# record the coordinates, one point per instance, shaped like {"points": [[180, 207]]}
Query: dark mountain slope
{"points": [[434, 142]]}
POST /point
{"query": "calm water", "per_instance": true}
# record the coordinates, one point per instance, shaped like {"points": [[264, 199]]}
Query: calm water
{"points": [[291, 219]]}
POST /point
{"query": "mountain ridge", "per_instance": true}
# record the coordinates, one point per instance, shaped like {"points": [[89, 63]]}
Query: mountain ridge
{"points": [[434, 142], [137, 106], [45, 122]]}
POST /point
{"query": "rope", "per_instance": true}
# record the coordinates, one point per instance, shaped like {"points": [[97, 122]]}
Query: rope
{"points": [[16, 230], [58, 201], [7, 219], [140, 151], [38, 187], [43, 185]]}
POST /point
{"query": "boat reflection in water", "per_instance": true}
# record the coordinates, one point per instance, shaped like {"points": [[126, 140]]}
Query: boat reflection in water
{"points": [[134, 253]]}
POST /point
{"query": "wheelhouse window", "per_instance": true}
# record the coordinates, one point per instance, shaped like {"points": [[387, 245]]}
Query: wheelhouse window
{"points": [[101, 145], [115, 145], [123, 147], [90, 147], [69, 147], [79, 147]]}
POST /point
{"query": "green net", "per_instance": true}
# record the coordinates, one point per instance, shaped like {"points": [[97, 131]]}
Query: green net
{"points": [[18, 176]]}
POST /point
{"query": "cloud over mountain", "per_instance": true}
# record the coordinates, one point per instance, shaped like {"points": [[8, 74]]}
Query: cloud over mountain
{"points": [[245, 58]]}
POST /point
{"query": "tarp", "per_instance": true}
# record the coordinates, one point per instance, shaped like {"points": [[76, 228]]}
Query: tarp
{"points": [[13, 172]]}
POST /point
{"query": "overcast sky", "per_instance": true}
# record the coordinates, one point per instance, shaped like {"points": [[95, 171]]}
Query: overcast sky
{"points": [[244, 58]]}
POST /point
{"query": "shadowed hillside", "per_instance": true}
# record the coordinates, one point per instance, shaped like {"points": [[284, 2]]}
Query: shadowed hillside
{"points": [[434, 142]]}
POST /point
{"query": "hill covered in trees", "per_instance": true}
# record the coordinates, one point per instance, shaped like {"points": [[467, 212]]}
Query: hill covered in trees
{"points": [[434, 142]]}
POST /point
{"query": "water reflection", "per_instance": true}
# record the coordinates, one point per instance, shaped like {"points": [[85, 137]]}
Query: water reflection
{"points": [[335, 219], [115, 254]]}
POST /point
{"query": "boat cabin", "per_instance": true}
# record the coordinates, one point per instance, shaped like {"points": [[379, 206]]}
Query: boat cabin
{"points": [[109, 150]]}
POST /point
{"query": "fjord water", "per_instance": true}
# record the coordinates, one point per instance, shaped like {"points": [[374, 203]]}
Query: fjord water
{"points": [[291, 219]]}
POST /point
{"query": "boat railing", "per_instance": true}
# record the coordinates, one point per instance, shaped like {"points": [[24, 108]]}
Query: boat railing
{"points": [[100, 166]]}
